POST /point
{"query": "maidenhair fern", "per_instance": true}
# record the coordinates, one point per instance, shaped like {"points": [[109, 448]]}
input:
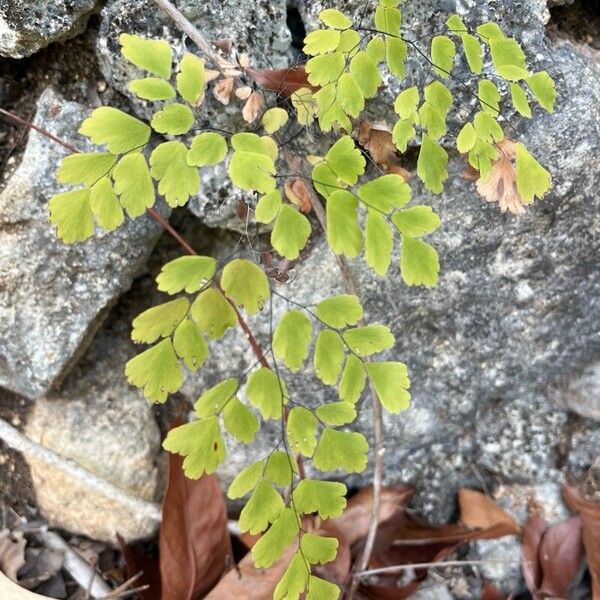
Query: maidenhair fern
{"points": [[365, 215]]}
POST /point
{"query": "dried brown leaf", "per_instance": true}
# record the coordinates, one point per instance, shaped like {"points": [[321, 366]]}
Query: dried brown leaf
{"points": [[398, 170], [376, 138], [533, 532], [12, 553], [560, 554], [253, 107], [224, 45], [223, 90], [211, 75], [243, 93], [139, 559], [589, 513], [194, 541], [246, 582], [282, 81], [297, 193], [489, 592], [477, 511]]}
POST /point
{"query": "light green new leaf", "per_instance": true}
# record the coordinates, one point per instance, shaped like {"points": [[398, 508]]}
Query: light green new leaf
{"points": [[246, 284], [341, 450], [466, 139], [487, 128], [443, 51], [419, 262], [292, 338], [240, 421], [396, 53], [208, 148], [267, 392], [152, 88], [159, 321], [177, 180], [385, 193], [379, 242], [290, 232], [116, 130], [406, 103], [326, 498], [321, 41], [318, 550], [191, 79], [376, 49], [473, 52], [346, 160], [251, 167], [343, 232], [105, 205], [519, 100], [508, 58], [305, 106], [402, 133], [432, 165], [416, 221], [274, 119], [174, 119], [263, 508], [433, 121], [329, 356], [456, 25], [320, 589], [388, 19], [301, 431], [72, 214], [154, 56], [489, 31], [339, 311], [271, 545], [325, 68], [532, 179], [543, 88], [390, 381], [325, 180], [439, 96], [268, 207], [294, 579], [353, 380], [350, 95], [202, 445], [349, 41], [489, 97], [187, 273], [334, 18], [336, 413], [434, 111], [157, 370], [86, 167], [365, 71], [369, 339], [213, 313], [216, 398], [134, 184], [281, 468], [246, 480], [190, 345]]}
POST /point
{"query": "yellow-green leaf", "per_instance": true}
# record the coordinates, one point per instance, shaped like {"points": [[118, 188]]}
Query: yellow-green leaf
{"points": [[85, 167], [191, 79], [177, 180], [432, 165], [190, 345], [154, 56], [290, 232], [353, 380], [379, 242], [274, 119], [71, 213], [329, 356], [390, 381], [267, 392], [341, 450], [213, 313], [369, 340], [105, 205], [174, 119], [134, 184], [152, 88], [301, 429], [292, 338], [419, 262], [208, 148], [543, 88], [416, 221], [443, 51], [159, 321], [187, 273], [246, 284], [532, 179], [343, 232]]}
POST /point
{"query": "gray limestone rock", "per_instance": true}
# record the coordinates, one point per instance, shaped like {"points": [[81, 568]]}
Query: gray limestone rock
{"points": [[53, 297], [26, 26], [100, 422]]}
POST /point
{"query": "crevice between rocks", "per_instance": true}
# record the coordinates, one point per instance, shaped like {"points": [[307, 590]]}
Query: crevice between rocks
{"points": [[578, 22]]}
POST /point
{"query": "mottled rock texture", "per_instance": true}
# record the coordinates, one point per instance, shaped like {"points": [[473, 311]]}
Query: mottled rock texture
{"points": [[53, 297], [28, 25], [97, 420]]}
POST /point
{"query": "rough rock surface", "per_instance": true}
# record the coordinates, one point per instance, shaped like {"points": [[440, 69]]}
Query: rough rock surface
{"points": [[100, 422], [28, 25], [54, 296], [516, 310]]}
